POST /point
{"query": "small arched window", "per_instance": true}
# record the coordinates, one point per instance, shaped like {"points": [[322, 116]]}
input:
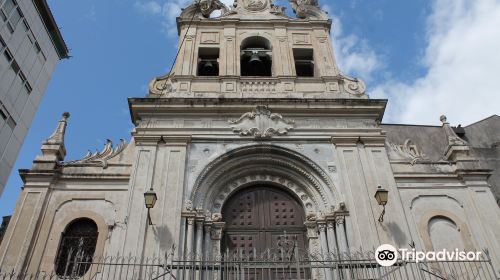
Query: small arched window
{"points": [[445, 234], [256, 58], [76, 248]]}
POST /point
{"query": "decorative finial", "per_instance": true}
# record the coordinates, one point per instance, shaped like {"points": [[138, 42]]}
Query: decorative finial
{"points": [[53, 150], [457, 148], [57, 136]]}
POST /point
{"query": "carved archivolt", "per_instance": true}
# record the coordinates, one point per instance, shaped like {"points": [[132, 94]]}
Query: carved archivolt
{"points": [[264, 164]]}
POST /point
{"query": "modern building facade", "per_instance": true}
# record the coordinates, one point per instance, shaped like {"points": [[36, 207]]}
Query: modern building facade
{"points": [[256, 143], [30, 47]]}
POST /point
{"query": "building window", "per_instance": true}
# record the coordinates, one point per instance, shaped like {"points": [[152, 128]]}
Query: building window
{"points": [[304, 62], [7, 7], [4, 113], [8, 55], [17, 70], [11, 13], [256, 58], [208, 62], [76, 248], [3, 227], [33, 41]]}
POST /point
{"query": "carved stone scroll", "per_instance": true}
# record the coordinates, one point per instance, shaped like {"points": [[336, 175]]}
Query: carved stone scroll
{"points": [[261, 123]]}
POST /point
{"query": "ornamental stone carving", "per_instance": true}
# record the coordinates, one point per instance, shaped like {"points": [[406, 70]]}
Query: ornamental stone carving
{"points": [[308, 9], [216, 217], [261, 123], [188, 205], [203, 9], [408, 150], [255, 5], [340, 220], [353, 86], [100, 158], [216, 233]]}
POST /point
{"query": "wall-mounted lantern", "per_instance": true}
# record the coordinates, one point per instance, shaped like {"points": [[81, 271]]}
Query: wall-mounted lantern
{"points": [[382, 195], [150, 199]]}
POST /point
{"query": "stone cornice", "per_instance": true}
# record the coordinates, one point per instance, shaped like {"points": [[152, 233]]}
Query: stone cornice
{"points": [[144, 108], [155, 139], [289, 22], [352, 141]]}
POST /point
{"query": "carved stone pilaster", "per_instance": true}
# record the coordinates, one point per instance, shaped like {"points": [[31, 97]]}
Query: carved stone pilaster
{"points": [[312, 230], [341, 234], [340, 219], [216, 236], [331, 237]]}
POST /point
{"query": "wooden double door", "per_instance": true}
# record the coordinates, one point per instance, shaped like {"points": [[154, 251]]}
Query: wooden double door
{"points": [[263, 218]]}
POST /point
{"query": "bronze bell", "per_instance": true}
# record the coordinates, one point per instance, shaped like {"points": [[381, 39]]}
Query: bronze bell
{"points": [[208, 66], [255, 59]]}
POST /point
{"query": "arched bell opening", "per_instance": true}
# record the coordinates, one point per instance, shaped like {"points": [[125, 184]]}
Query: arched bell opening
{"points": [[262, 218], [256, 57]]}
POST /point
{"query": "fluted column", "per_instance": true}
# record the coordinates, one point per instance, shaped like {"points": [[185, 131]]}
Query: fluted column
{"points": [[189, 235], [199, 245], [199, 238], [322, 237], [332, 239], [324, 246], [207, 249]]}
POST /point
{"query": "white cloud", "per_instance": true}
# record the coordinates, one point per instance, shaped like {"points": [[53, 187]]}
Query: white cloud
{"points": [[169, 10], [151, 7], [92, 14], [354, 54], [463, 65]]}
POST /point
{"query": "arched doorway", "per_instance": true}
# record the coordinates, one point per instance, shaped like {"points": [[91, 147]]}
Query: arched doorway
{"points": [[262, 217]]}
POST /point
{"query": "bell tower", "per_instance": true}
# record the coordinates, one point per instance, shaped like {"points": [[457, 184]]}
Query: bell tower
{"points": [[254, 49]]}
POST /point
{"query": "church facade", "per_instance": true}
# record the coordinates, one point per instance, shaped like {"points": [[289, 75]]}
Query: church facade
{"points": [[256, 137]]}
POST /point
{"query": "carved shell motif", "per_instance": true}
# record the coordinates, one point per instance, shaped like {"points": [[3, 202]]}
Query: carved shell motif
{"points": [[261, 123]]}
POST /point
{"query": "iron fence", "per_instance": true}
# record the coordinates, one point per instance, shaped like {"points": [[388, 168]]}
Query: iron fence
{"points": [[267, 265]]}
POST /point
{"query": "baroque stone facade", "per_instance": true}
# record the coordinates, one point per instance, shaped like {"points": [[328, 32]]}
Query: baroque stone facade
{"points": [[305, 134]]}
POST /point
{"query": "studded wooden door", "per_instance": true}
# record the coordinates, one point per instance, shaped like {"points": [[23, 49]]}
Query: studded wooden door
{"points": [[261, 218]]}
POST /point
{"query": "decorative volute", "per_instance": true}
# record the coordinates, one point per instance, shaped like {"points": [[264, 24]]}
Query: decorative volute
{"points": [[53, 149], [458, 149]]}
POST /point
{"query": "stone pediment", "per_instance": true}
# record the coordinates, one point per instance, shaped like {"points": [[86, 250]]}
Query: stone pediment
{"points": [[261, 123]]}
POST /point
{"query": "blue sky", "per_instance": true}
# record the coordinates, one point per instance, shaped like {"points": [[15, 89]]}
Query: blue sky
{"points": [[429, 57]]}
